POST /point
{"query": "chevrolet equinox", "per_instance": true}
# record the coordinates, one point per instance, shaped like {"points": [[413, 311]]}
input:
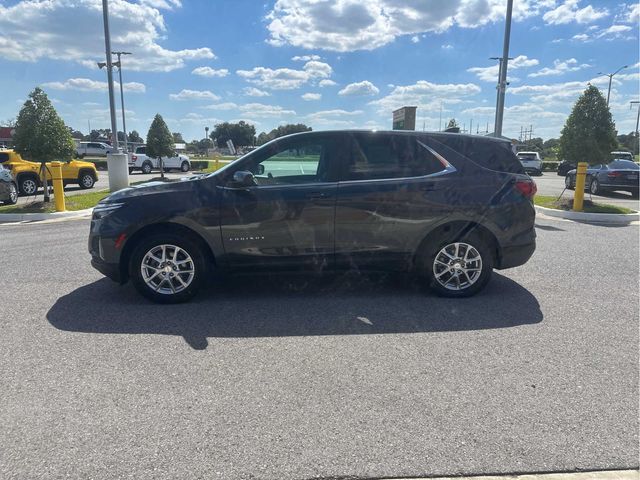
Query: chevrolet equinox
{"points": [[446, 206]]}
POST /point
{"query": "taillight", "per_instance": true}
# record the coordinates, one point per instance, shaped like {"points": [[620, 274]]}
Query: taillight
{"points": [[134, 157], [614, 174], [527, 188]]}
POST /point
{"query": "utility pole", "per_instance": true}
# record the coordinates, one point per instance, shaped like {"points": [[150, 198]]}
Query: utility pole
{"points": [[611, 75], [504, 63], [440, 124], [637, 122], [112, 104], [124, 125]]}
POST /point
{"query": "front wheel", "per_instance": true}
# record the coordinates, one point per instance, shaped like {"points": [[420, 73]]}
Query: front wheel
{"points": [[184, 167], [459, 268], [594, 187], [146, 168], [168, 268], [86, 181], [13, 194], [28, 186]]}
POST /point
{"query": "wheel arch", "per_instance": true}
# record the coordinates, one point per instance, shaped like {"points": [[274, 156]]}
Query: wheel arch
{"points": [[457, 229], [164, 227], [88, 170]]}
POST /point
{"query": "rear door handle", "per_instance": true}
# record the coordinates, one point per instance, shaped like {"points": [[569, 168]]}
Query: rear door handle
{"points": [[317, 195]]}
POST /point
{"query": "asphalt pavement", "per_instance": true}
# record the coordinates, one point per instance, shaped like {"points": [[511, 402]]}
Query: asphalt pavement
{"points": [[300, 378]]}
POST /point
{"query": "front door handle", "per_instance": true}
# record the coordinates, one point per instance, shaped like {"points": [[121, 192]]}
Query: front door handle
{"points": [[317, 195]]}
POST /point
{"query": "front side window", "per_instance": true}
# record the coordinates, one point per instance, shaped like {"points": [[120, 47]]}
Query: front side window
{"points": [[296, 163]]}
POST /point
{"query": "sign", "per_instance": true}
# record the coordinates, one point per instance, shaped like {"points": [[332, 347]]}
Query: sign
{"points": [[404, 118], [232, 149]]}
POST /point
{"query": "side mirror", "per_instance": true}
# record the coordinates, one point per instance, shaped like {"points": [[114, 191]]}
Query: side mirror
{"points": [[244, 178]]}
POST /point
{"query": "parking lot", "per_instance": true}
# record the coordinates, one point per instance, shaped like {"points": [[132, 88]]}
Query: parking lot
{"points": [[341, 377]]}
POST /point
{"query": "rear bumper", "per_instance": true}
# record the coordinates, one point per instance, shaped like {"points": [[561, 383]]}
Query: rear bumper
{"points": [[515, 256]]}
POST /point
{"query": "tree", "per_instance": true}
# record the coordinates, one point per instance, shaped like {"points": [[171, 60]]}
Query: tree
{"points": [[589, 133], [177, 137], [9, 122], [159, 141], [134, 137], [40, 134], [281, 131], [241, 134], [629, 142], [76, 133], [120, 137], [263, 138]]}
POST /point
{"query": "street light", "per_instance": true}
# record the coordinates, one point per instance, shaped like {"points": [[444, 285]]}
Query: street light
{"points": [[112, 103], [502, 84], [611, 75], [124, 125]]}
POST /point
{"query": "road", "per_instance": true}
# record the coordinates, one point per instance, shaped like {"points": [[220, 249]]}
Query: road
{"points": [[298, 378], [548, 184]]}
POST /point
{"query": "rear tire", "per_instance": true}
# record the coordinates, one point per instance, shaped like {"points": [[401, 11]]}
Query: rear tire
{"points": [[184, 167], [458, 266], [13, 194], [594, 187], [147, 167], [28, 186], [568, 183], [86, 181], [174, 276]]}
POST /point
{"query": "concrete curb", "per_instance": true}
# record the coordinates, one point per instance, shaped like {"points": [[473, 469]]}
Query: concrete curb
{"points": [[35, 217], [602, 475], [610, 218]]}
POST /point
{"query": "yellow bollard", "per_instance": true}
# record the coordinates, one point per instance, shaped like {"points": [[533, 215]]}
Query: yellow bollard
{"points": [[578, 198], [58, 186], [217, 163]]}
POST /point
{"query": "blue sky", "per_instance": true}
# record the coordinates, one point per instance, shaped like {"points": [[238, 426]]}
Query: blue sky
{"points": [[326, 63]]}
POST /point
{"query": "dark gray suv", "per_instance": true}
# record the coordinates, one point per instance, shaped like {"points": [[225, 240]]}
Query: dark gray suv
{"points": [[448, 207]]}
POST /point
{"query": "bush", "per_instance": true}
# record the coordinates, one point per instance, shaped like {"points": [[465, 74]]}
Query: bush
{"points": [[550, 166]]}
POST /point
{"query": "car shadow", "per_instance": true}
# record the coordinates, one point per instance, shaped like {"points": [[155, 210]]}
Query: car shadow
{"points": [[260, 306]]}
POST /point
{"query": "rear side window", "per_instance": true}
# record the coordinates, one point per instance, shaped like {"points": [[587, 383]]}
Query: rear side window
{"points": [[141, 150], [4, 157], [378, 157], [496, 156]]}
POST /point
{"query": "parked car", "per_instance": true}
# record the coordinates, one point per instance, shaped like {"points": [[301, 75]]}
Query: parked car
{"points": [[29, 178], [449, 207], [138, 160], [564, 166], [531, 162], [616, 175], [8, 187], [621, 156], [93, 149]]}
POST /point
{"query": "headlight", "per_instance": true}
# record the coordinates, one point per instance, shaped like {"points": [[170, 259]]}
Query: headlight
{"points": [[103, 209]]}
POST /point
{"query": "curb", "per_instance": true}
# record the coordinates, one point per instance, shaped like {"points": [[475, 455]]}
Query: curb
{"points": [[610, 218], [35, 217], [598, 475]]}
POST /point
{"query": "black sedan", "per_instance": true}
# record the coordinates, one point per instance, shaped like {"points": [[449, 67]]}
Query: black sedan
{"points": [[616, 175]]}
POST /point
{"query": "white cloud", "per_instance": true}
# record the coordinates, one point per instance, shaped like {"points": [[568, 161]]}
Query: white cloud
{"points": [[336, 118], [360, 88], [630, 14], [262, 110], [581, 37], [327, 83], [194, 95], [309, 97], [560, 68], [490, 74], [346, 25], [221, 106], [415, 39], [68, 31], [425, 94], [88, 85], [287, 78], [569, 12], [447, 46], [210, 72], [255, 92], [306, 58]]}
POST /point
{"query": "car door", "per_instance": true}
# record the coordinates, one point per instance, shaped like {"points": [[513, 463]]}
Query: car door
{"points": [[285, 220], [391, 191]]}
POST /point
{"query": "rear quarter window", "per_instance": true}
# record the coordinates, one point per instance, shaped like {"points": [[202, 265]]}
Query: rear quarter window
{"points": [[496, 156], [4, 157]]}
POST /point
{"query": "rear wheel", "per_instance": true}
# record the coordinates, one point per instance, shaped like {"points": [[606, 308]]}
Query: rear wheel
{"points": [[146, 168], [13, 194], [594, 187], [168, 268], [184, 167], [568, 183], [458, 267], [28, 185]]}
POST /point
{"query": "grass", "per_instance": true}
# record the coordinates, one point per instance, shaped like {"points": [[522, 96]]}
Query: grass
{"points": [[73, 203], [567, 204]]}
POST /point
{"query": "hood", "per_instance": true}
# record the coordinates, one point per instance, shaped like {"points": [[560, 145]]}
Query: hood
{"points": [[154, 188], [82, 164]]}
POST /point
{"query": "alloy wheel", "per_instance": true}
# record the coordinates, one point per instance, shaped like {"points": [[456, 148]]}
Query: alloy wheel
{"points": [[29, 186], [13, 193], [167, 269], [457, 266]]}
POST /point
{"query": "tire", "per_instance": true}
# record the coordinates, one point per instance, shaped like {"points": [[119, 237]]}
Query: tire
{"points": [[147, 167], [594, 187], [28, 185], [86, 180], [145, 271], [13, 194], [473, 259], [184, 167], [568, 183]]}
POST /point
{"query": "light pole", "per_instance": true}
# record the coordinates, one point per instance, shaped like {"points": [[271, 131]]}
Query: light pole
{"points": [[637, 121], [124, 125], [611, 75], [112, 104], [504, 63]]}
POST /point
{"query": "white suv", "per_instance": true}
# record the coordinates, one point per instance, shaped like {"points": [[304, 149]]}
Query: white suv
{"points": [[531, 161], [138, 160]]}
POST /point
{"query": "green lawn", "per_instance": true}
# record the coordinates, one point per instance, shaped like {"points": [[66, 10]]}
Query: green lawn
{"points": [[73, 203], [567, 204]]}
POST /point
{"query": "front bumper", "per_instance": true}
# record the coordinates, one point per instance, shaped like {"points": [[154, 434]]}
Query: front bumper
{"points": [[110, 270]]}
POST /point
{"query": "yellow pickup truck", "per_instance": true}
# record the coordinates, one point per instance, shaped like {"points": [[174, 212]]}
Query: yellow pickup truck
{"points": [[29, 178]]}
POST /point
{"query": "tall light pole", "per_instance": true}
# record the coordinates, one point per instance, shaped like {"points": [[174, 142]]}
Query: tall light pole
{"points": [[112, 104], [611, 75], [502, 83], [124, 125], [637, 122]]}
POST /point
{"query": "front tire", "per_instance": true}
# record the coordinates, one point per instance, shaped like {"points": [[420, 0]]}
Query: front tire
{"points": [[28, 186], [459, 268], [13, 194], [146, 168], [168, 268], [184, 167], [594, 187], [86, 181]]}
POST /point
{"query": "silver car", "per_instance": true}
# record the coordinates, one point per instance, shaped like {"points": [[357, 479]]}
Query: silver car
{"points": [[8, 187]]}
